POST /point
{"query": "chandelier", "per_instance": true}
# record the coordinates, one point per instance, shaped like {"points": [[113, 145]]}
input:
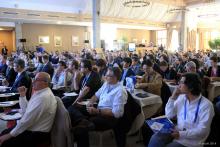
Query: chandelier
{"points": [[136, 3], [177, 10]]}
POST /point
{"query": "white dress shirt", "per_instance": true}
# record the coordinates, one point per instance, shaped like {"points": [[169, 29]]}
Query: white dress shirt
{"points": [[38, 113], [192, 134], [113, 97]]}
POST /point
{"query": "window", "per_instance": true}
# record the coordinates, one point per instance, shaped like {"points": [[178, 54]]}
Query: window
{"points": [[210, 35], [162, 37]]}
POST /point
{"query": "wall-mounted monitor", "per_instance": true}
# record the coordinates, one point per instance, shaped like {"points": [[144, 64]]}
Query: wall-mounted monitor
{"points": [[131, 47]]}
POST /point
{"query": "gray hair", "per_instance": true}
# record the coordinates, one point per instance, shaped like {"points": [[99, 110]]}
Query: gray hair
{"points": [[190, 64]]}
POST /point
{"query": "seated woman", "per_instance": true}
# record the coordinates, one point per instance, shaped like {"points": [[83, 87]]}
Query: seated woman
{"points": [[73, 68], [60, 76], [151, 81], [214, 70]]}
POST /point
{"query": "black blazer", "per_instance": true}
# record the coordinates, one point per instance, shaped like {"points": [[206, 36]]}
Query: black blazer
{"points": [[48, 68], [23, 80], [209, 73], [129, 73], [3, 69], [10, 76]]}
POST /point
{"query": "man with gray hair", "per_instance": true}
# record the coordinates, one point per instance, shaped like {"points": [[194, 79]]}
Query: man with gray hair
{"points": [[190, 66], [37, 115]]}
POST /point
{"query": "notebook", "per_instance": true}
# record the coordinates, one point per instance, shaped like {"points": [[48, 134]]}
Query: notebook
{"points": [[160, 124]]}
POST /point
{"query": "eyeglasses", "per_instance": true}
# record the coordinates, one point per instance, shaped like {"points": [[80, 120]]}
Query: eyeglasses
{"points": [[35, 80], [181, 82], [109, 75]]}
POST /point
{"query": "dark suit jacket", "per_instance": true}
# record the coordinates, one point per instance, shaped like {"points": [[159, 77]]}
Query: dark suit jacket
{"points": [[128, 74], [23, 80], [48, 68], [3, 69], [10, 76]]}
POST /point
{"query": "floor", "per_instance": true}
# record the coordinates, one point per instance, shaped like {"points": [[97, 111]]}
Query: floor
{"points": [[107, 139]]}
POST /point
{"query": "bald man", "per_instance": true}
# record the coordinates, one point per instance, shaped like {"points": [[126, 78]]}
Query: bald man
{"points": [[37, 115]]}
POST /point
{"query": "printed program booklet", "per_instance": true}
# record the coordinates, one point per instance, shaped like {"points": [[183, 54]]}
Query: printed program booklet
{"points": [[160, 124]]}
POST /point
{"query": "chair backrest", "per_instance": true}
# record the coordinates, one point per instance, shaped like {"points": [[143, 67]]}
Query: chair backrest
{"points": [[131, 110], [61, 135]]}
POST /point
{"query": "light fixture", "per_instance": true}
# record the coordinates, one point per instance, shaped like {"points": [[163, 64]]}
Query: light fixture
{"points": [[136, 3], [177, 10]]}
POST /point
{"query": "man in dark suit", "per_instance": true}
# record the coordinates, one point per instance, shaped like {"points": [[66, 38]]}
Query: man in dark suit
{"points": [[48, 67], [10, 72], [127, 71], [3, 65], [22, 79], [4, 51]]}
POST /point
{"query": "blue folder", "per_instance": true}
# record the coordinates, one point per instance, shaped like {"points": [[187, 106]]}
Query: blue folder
{"points": [[160, 124]]}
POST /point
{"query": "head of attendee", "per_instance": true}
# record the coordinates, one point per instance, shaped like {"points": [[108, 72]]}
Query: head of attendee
{"points": [[19, 65], [190, 84], [86, 66], [113, 75], [127, 62], [190, 67], [61, 66], [45, 59], [10, 62], [163, 66], [147, 66], [73, 65], [41, 81], [135, 60], [101, 64], [101, 67], [214, 61]]}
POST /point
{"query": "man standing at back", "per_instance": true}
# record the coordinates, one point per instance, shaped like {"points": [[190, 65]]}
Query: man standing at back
{"points": [[38, 115]]}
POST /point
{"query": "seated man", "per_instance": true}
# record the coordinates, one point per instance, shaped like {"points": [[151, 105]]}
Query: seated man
{"points": [[151, 81], [127, 71], [10, 73], [47, 67], [89, 84], [112, 97], [3, 65], [194, 115], [22, 79], [38, 115]]}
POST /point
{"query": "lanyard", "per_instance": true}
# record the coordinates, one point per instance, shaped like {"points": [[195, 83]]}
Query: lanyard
{"points": [[197, 109], [85, 80]]}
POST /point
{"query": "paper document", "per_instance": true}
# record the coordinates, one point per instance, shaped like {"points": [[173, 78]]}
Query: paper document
{"points": [[10, 117], [70, 94]]}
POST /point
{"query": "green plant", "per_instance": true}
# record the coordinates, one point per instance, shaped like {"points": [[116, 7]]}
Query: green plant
{"points": [[214, 44]]}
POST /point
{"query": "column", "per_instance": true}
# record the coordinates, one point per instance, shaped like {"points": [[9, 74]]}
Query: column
{"points": [[183, 31], [96, 23], [18, 35]]}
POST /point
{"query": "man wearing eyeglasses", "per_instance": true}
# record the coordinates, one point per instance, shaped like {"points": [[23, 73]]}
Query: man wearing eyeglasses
{"points": [[194, 115], [37, 115], [112, 97], [89, 84]]}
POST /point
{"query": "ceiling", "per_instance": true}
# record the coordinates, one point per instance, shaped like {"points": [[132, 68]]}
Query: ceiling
{"points": [[155, 12]]}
